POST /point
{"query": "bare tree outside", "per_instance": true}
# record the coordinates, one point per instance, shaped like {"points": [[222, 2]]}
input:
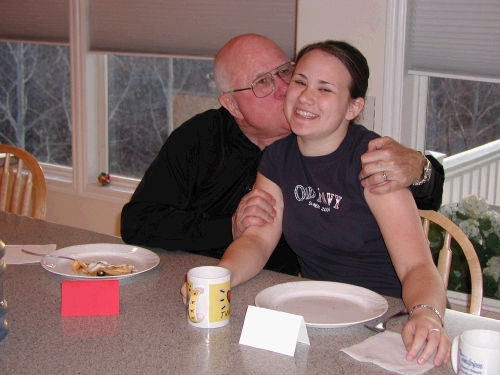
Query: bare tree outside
{"points": [[35, 108], [461, 115], [144, 100], [147, 98]]}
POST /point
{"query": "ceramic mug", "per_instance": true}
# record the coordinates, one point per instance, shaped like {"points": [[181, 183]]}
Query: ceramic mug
{"points": [[208, 296], [476, 352]]}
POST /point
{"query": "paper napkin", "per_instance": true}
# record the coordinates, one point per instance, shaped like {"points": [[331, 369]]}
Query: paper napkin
{"points": [[388, 351], [14, 255]]}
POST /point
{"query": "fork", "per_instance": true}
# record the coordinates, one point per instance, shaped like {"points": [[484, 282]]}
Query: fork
{"points": [[46, 255], [381, 327]]}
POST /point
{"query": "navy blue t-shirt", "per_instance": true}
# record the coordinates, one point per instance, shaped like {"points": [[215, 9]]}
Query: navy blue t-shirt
{"points": [[326, 219]]}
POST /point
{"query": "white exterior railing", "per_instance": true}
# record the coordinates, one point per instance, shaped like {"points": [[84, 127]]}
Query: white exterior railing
{"points": [[475, 171]]}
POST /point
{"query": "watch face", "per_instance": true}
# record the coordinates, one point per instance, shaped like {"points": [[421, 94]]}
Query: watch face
{"points": [[427, 171], [426, 175]]}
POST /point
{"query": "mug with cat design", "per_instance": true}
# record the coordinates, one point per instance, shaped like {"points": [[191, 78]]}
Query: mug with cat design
{"points": [[208, 296]]}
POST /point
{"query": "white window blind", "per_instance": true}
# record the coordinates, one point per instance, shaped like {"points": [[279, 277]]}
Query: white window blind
{"points": [[35, 21], [154, 27], [455, 39], [187, 27]]}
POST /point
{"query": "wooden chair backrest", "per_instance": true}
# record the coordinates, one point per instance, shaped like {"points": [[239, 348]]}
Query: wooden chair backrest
{"points": [[23, 189], [451, 230]]}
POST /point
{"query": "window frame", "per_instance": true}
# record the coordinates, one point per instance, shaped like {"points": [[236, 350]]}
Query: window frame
{"points": [[88, 80], [405, 95], [404, 114], [89, 118]]}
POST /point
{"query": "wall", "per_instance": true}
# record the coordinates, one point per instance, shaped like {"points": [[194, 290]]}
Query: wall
{"points": [[359, 22], [84, 212]]}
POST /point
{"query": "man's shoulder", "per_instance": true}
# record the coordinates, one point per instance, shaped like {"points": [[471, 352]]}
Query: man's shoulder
{"points": [[204, 122]]}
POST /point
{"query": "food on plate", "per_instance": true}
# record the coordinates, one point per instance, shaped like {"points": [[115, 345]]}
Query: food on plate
{"points": [[100, 268]]}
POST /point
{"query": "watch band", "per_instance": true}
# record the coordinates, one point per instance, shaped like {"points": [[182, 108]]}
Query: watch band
{"points": [[427, 173]]}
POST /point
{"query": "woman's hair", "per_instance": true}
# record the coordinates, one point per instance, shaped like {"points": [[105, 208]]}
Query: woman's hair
{"points": [[350, 57]]}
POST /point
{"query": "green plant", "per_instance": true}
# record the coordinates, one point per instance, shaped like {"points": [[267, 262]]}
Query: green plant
{"points": [[482, 226]]}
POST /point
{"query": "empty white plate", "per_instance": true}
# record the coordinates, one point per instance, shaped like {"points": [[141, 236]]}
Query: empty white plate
{"points": [[324, 304]]}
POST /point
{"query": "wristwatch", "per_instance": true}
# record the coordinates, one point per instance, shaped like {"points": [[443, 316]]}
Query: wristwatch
{"points": [[427, 173]]}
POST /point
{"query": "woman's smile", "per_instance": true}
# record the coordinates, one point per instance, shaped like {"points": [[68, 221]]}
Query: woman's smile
{"points": [[305, 114]]}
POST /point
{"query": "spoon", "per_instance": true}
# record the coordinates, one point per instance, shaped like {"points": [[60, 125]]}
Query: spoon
{"points": [[381, 327], [84, 265], [46, 255]]}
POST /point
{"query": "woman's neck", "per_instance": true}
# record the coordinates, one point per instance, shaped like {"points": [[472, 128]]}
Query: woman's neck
{"points": [[319, 146]]}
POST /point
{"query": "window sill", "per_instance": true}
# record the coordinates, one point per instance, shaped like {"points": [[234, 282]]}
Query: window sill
{"points": [[61, 179]]}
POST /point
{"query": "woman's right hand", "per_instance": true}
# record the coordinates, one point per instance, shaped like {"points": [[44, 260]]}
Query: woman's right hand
{"points": [[425, 335]]}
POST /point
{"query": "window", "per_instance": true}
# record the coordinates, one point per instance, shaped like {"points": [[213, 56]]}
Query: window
{"points": [[35, 110], [443, 77], [461, 115], [148, 98], [137, 72]]}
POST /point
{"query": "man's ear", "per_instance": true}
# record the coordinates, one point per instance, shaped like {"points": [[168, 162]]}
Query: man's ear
{"points": [[355, 108], [228, 102]]}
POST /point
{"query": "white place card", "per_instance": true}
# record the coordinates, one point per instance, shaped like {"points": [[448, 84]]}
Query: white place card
{"points": [[273, 330]]}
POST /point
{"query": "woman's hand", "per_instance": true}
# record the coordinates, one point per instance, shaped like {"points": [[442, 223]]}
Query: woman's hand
{"points": [[255, 208], [423, 330], [183, 292]]}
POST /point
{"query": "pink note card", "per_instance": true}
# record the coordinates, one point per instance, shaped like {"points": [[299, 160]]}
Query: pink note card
{"points": [[93, 297]]}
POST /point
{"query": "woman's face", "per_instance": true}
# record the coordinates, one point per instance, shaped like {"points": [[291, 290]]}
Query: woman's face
{"points": [[318, 105]]}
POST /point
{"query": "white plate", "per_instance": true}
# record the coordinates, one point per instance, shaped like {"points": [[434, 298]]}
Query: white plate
{"points": [[141, 259], [324, 304]]}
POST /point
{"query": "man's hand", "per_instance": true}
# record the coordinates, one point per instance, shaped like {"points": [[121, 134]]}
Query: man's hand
{"points": [[400, 165], [255, 208]]}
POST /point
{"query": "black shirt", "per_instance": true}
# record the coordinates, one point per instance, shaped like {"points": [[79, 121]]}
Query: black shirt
{"points": [[188, 195]]}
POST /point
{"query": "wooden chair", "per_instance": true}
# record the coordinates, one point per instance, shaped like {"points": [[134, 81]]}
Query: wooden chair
{"points": [[451, 230], [22, 183]]}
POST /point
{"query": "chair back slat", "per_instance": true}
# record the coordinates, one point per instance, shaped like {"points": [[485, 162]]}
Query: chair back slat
{"points": [[16, 187], [28, 187], [444, 260], [4, 183], [23, 189]]}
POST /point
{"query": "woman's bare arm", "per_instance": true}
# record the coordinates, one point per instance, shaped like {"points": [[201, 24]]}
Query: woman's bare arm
{"points": [[401, 227], [248, 254]]}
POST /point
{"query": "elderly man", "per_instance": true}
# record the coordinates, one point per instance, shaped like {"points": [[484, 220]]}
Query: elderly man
{"points": [[190, 198]]}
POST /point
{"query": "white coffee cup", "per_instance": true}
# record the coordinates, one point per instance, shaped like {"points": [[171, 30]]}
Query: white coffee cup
{"points": [[208, 296], [476, 352]]}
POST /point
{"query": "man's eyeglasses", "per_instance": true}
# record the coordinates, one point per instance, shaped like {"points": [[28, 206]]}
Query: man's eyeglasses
{"points": [[263, 85]]}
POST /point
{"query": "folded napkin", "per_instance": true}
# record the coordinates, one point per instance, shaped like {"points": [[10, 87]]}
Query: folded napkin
{"points": [[388, 351], [14, 255]]}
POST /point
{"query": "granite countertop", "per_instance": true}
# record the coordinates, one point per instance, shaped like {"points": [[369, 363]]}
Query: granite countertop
{"points": [[151, 335]]}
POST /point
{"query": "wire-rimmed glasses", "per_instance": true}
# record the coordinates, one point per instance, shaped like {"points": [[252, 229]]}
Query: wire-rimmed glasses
{"points": [[263, 85]]}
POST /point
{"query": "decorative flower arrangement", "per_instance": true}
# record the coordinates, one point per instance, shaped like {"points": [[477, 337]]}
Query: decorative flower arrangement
{"points": [[482, 226]]}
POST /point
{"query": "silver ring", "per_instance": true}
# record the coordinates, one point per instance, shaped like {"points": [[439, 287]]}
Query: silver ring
{"points": [[434, 329], [384, 175]]}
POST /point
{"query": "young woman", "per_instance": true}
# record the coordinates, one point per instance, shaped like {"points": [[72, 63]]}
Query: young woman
{"points": [[339, 230]]}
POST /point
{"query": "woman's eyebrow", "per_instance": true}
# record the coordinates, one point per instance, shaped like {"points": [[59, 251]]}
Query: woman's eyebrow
{"points": [[326, 83], [321, 82]]}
